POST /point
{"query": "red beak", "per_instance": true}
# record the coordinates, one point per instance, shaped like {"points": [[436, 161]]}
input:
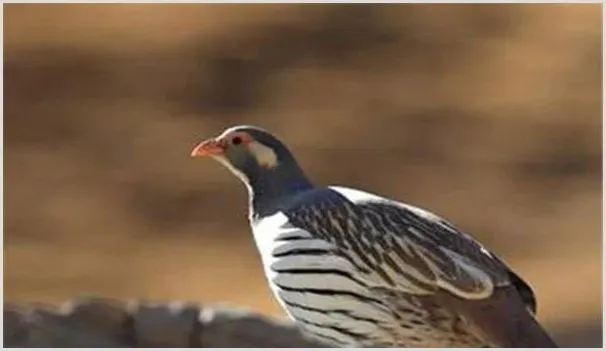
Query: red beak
{"points": [[208, 147]]}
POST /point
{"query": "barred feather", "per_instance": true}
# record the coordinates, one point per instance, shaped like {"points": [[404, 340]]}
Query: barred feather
{"points": [[354, 269]]}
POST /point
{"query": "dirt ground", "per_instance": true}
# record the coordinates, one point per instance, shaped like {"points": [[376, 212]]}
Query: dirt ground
{"points": [[489, 115]]}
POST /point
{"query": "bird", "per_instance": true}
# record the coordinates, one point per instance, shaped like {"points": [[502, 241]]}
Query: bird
{"points": [[357, 269]]}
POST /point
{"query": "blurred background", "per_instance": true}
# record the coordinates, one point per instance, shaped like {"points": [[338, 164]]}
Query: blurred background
{"points": [[489, 115]]}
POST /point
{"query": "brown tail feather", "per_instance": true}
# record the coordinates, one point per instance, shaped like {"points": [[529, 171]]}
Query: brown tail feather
{"points": [[501, 320]]}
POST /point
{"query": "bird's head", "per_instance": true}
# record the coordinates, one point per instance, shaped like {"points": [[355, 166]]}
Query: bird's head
{"points": [[250, 153]]}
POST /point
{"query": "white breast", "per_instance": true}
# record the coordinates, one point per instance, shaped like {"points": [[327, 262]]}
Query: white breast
{"points": [[325, 297]]}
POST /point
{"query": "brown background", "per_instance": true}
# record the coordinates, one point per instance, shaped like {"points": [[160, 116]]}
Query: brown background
{"points": [[489, 115]]}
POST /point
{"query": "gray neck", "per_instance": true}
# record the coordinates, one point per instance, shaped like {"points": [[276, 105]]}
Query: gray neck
{"points": [[270, 189]]}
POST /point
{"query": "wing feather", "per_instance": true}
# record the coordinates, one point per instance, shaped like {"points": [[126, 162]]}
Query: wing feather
{"points": [[407, 250], [404, 244]]}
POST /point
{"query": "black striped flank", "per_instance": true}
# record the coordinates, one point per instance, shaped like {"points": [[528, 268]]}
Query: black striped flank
{"points": [[292, 237], [321, 271], [351, 334], [347, 313], [353, 262], [300, 251], [331, 339], [330, 292]]}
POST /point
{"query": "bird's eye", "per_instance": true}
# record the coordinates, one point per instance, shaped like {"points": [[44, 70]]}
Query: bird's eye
{"points": [[236, 141]]}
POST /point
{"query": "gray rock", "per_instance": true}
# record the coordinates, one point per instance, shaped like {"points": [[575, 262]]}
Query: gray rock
{"points": [[100, 322]]}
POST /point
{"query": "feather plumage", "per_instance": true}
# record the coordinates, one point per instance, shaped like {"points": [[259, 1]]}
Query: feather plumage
{"points": [[353, 242], [357, 269]]}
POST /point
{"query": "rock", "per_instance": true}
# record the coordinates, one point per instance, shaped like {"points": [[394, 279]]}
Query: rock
{"points": [[101, 322]]}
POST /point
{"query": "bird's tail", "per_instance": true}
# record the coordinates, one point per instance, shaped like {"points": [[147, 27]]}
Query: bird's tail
{"points": [[503, 320], [531, 334]]}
